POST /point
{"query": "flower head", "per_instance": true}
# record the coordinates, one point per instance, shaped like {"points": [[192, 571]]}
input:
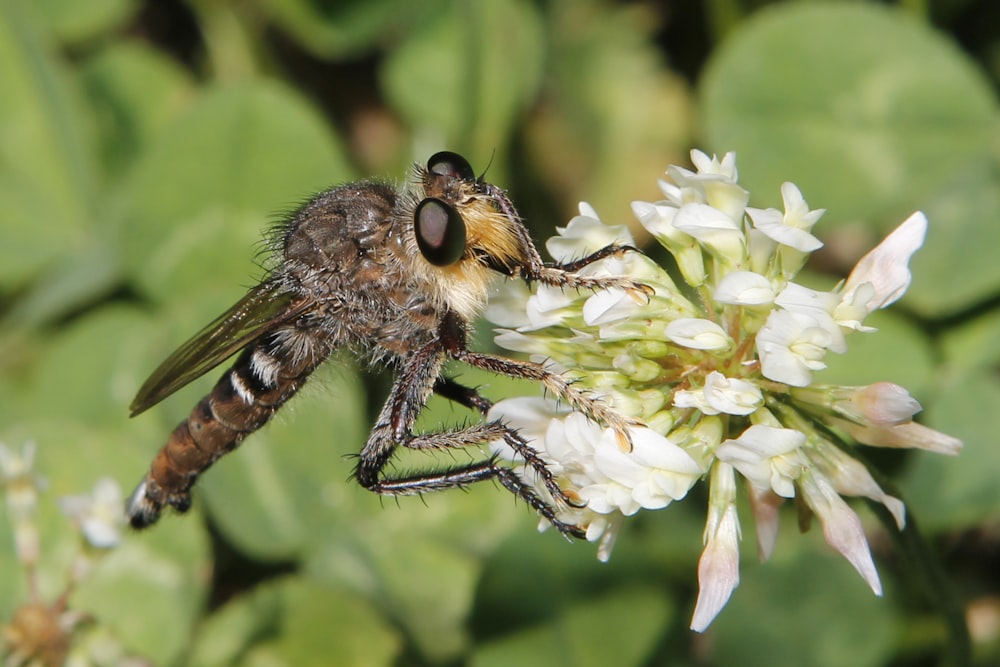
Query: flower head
{"points": [[99, 515], [719, 369], [21, 485]]}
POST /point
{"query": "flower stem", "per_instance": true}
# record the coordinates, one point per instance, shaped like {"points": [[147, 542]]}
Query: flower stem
{"points": [[926, 571]]}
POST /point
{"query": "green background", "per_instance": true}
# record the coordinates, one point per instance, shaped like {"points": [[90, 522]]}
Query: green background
{"points": [[145, 146]]}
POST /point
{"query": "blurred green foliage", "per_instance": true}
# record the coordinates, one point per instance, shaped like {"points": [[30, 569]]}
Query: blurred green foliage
{"points": [[145, 146]]}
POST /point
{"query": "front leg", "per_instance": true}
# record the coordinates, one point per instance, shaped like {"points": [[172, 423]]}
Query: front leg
{"points": [[452, 337], [393, 428], [469, 397]]}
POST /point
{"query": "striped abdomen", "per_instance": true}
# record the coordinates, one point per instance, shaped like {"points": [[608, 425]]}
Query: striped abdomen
{"points": [[264, 376]]}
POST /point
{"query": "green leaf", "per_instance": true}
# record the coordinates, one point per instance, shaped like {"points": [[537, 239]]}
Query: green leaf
{"points": [[805, 609], [432, 574], [231, 630], [74, 22], [89, 370], [48, 181], [957, 268], [275, 495], [945, 492], [864, 108], [613, 115], [150, 590], [321, 626], [136, 93], [210, 183], [621, 628], [344, 28], [464, 75], [973, 345]]}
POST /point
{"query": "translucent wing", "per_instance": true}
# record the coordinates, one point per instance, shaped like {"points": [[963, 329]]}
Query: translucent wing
{"points": [[264, 307]]}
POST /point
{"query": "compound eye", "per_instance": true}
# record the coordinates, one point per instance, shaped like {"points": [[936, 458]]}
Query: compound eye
{"points": [[440, 232], [451, 165]]}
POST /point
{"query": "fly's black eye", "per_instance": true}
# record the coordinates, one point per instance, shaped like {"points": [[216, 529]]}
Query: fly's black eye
{"points": [[440, 232], [452, 165]]}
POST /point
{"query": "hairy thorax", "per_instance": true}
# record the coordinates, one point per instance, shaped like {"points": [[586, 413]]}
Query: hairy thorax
{"points": [[346, 250]]}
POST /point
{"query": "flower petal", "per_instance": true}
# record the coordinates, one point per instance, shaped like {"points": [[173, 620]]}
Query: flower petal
{"points": [[886, 267], [697, 334], [719, 565], [841, 527], [744, 288]]}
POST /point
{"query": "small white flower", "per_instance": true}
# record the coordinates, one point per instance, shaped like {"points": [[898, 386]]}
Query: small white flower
{"points": [[507, 306], [791, 346], [655, 473], [585, 234], [744, 288], [721, 395], [609, 306], [714, 184], [715, 230], [850, 478], [790, 228], [818, 306], [767, 456], [100, 515], [697, 334], [658, 219]]}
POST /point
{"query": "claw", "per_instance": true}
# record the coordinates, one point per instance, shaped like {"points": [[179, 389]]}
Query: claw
{"points": [[640, 293], [624, 441], [573, 499]]}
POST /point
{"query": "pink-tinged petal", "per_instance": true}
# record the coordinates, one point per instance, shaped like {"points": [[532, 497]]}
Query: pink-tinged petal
{"points": [[851, 478], [841, 526], [719, 565], [718, 573], [886, 404], [886, 267], [764, 503], [910, 435]]}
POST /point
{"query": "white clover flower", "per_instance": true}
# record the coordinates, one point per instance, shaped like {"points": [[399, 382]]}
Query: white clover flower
{"points": [[100, 515], [720, 371], [21, 486]]}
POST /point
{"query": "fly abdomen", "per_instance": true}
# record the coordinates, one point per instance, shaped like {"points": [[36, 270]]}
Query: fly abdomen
{"points": [[263, 377]]}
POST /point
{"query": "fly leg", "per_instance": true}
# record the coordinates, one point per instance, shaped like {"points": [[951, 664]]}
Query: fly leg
{"points": [[418, 378], [459, 393], [565, 274], [453, 338], [531, 266]]}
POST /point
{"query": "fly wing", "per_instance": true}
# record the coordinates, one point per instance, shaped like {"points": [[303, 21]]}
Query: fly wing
{"points": [[264, 307]]}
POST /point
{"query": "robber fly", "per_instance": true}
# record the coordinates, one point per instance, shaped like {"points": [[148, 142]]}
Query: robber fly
{"points": [[396, 275]]}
